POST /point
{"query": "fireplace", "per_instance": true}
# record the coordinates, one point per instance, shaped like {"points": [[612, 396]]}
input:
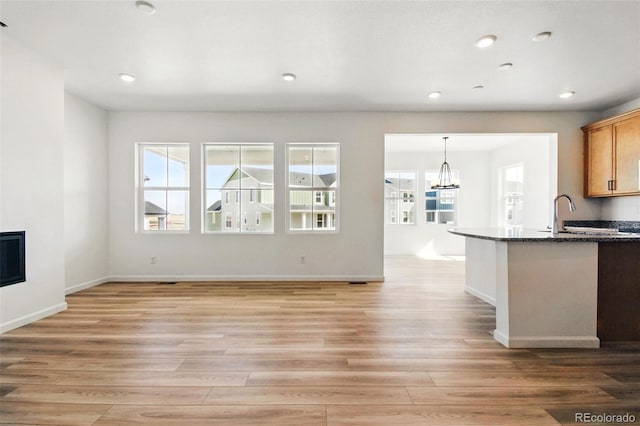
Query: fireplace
{"points": [[12, 258]]}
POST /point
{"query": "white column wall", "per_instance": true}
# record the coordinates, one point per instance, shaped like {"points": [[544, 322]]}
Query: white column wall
{"points": [[31, 180], [85, 194]]}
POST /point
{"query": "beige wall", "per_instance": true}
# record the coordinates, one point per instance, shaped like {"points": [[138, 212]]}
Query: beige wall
{"points": [[356, 252]]}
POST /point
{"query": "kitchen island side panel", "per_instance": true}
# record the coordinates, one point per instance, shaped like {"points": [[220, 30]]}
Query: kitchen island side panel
{"points": [[552, 295], [480, 269], [619, 292]]}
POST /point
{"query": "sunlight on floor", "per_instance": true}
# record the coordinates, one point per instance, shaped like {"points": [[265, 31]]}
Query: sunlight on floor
{"points": [[428, 252], [435, 256]]}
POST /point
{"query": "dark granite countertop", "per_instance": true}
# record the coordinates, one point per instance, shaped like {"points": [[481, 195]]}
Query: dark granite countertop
{"points": [[621, 225], [534, 235]]}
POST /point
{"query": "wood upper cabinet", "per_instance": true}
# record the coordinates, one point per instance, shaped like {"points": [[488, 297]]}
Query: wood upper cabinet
{"points": [[612, 156], [599, 150], [626, 139]]}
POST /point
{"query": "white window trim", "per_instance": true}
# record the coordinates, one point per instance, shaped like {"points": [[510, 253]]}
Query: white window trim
{"points": [[455, 204], [140, 189], [502, 197], [226, 198], [313, 189], [399, 199]]}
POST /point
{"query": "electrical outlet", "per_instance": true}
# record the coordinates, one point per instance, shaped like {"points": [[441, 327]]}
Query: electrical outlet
{"points": [[153, 260]]}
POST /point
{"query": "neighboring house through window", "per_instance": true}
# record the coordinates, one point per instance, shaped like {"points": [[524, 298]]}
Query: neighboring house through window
{"points": [[312, 182], [245, 169], [399, 191], [163, 187], [511, 195], [440, 204]]}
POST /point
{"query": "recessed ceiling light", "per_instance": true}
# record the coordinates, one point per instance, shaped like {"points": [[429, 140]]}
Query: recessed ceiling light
{"points": [[477, 87], [568, 94], [541, 36], [505, 66], [288, 76], [127, 77], [434, 95], [145, 7], [486, 41]]}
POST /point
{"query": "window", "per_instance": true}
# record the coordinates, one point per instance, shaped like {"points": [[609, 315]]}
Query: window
{"points": [[399, 190], [240, 172], [163, 187], [511, 193], [440, 204], [312, 182]]}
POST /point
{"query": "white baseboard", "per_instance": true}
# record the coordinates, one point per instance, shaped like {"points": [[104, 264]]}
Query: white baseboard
{"points": [[84, 285], [480, 295], [35, 316], [251, 278], [547, 341]]}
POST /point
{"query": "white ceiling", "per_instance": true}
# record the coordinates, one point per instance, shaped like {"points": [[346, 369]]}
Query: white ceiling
{"points": [[348, 55], [458, 141]]}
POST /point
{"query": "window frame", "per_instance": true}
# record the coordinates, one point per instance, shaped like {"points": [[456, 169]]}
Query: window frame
{"points": [[400, 196], [254, 197], [333, 219], [503, 195], [440, 199], [140, 188]]}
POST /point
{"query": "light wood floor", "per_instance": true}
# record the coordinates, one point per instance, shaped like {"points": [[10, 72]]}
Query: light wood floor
{"points": [[414, 350]]}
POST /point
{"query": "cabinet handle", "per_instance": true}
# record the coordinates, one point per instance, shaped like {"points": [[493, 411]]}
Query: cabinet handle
{"points": [[608, 185], [613, 185]]}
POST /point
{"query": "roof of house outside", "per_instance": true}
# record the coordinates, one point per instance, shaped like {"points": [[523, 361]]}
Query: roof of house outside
{"points": [[151, 209], [215, 207], [260, 174], [265, 176], [398, 183], [318, 181]]}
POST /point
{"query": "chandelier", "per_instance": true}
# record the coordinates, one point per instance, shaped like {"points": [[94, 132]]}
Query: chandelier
{"points": [[444, 177]]}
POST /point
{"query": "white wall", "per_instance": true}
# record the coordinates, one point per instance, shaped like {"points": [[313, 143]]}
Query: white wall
{"points": [[85, 194], [473, 203], [354, 253], [539, 179], [31, 181]]}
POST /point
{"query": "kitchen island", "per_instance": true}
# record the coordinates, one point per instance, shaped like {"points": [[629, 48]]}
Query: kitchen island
{"points": [[545, 287]]}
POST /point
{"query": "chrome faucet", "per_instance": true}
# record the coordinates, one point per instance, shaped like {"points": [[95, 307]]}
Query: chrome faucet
{"points": [[572, 208]]}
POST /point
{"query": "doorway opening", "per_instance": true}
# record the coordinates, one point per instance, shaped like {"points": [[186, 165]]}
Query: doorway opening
{"points": [[506, 179]]}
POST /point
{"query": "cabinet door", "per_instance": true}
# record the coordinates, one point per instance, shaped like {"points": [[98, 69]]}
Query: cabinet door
{"points": [[627, 156], [600, 161]]}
